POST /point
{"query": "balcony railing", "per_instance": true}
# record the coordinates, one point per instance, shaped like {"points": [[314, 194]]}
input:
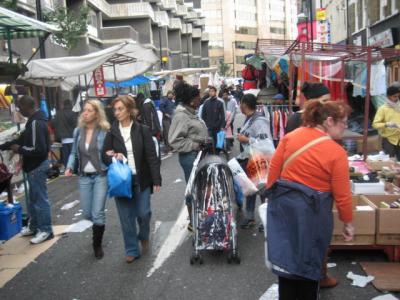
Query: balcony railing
{"points": [[175, 23], [124, 10], [191, 15], [169, 4], [162, 18], [187, 28], [119, 33], [205, 36], [196, 33], [200, 22], [181, 10]]}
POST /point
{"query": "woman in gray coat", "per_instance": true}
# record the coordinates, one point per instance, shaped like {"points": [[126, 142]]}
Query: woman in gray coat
{"points": [[187, 132]]}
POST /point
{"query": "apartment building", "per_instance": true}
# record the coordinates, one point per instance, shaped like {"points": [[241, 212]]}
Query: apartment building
{"points": [[174, 29], [235, 25]]}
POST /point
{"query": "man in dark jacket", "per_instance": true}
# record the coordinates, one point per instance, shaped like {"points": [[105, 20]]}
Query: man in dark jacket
{"points": [[167, 107], [213, 114], [148, 115], [34, 146], [64, 124]]}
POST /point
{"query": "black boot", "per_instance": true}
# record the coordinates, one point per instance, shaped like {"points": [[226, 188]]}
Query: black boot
{"points": [[98, 231]]}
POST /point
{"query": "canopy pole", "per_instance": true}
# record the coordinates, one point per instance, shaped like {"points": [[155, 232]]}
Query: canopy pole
{"points": [[342, 79], [367, 102], [115, 79], [80, 91], [10, 56], [41, 44], [303, 73], [290, 84]]}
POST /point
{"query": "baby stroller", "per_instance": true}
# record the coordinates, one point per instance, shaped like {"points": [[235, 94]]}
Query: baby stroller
{"points": [[214, 220]]}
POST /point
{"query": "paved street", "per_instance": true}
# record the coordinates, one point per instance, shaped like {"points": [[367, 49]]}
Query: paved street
{"points": [[68, 269]]}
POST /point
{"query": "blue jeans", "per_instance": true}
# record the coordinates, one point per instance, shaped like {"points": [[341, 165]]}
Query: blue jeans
{"points": [[251, 205], [65, 152], [132, 210], [39, 205], [93, 192], [186, 161]]}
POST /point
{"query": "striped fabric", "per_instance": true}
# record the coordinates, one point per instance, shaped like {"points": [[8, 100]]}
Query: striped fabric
{"points": [[16, 26]]}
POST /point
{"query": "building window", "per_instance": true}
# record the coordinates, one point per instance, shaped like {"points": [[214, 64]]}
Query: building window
{"points": [[245, 45], [240, 60], [352, 17], [387, 9], [216, 44], [277, 30], [246, 30], [374, 11]]}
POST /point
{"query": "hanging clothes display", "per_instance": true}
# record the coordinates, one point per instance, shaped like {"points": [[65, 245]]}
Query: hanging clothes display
{"points": [[278, 116]]}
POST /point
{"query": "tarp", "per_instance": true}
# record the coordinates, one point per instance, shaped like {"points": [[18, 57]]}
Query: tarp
{"points": [[186, 71], [137, 80], [129, 58], [20, 26]]}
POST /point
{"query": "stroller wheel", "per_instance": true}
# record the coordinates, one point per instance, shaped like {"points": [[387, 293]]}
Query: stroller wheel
{"points": [[196, 258], [201, 260]]}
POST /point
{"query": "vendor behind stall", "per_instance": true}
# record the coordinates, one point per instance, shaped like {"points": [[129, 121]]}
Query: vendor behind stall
{"points": [[387, 121]]}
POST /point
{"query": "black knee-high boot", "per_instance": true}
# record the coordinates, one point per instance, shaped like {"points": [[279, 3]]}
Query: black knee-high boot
{"points": [[98, 231]]}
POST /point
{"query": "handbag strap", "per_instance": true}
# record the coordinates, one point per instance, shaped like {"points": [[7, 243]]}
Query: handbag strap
{"points": [[304, 148]]}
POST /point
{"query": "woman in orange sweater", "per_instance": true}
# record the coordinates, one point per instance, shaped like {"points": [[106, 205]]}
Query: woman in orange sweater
{"points": [[304, 180]]}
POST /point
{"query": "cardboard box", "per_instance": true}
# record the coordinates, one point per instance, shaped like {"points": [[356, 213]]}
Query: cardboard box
{"points": [[374, 144], [379, 164], [364, 224], [387, 220]]}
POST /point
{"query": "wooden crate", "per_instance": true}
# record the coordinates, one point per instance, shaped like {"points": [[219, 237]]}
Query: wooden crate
{"points": [[364, 224]]}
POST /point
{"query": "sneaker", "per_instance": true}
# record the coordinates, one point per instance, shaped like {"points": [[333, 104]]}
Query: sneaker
{"points": [[41, 237], [248, 223], [190, 227], [26, 231]]}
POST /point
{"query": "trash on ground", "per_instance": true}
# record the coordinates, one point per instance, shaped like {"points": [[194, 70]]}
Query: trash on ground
{"points": [[70, 205], [178, 180], [77, 214], [359, 280], [271, 294], [331, 265], [385, 297], [80, 226]]}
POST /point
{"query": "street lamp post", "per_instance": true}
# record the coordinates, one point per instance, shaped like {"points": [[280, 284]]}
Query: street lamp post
{"points": [[160, 42]]}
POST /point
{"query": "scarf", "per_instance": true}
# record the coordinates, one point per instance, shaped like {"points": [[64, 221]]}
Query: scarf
{"points": [[394, 105]]}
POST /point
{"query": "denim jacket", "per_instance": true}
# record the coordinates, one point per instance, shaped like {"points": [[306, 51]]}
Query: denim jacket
{"points": [[299, 229], [75, 153]]}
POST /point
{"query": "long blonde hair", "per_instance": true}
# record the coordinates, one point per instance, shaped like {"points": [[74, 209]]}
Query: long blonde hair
{"points": [[101, 115]]}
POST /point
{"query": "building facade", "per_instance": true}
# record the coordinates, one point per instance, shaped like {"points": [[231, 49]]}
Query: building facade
{"points": [[235, 25], [173, 28]]}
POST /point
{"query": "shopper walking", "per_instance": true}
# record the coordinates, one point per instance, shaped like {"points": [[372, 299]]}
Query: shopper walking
{"points": [[133, 141], [256, 127], [311, 91], [86, 158], [34, 146], [387, 121], [304, 181], [64, 124], [167, 107], [187, 132], [213, 114]]}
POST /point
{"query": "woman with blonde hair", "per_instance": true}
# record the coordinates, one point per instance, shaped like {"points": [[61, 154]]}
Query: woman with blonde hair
{"points": [[133, 141], [86, 158]]}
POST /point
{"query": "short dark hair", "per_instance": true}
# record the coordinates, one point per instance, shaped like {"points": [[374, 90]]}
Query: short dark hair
{"points": [[312, 90], [392, 90], [250, 100], [185, 92], [212, 88], [27, 101]]}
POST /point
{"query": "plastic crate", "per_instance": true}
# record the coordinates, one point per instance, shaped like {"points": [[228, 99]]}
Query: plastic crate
{"points": [[10, 220]]}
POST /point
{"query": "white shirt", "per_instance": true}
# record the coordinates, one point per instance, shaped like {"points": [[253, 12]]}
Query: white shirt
{"points": [[126, 135]]}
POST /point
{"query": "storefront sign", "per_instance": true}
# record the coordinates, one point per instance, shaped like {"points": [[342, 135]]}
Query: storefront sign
{"points": [[321, 14], [99, 84], [323, 32], [383, 39]]}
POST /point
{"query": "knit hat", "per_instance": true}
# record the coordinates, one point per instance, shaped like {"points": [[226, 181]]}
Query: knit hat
{"points": [[393, 89], [312, 90]]}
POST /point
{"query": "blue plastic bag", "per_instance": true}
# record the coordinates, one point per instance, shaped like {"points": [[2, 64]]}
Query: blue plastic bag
{"points": [[43, 106], [220, 140], [238, 193], [119, 177]]}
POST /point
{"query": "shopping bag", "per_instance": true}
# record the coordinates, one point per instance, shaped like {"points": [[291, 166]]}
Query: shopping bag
{"points": [[220, 140], [261, 152], [238, 193], [239, 175], [119, 177], [262, 211], [189, 184]]}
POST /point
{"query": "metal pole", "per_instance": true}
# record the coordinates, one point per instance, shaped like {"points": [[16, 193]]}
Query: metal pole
{"points": [[303, 72], [290, 84], [342, 79], [10, 56], [367, 101], [312, 24], [159, 38], [187, 45], [233, 59], [40, 18]]}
